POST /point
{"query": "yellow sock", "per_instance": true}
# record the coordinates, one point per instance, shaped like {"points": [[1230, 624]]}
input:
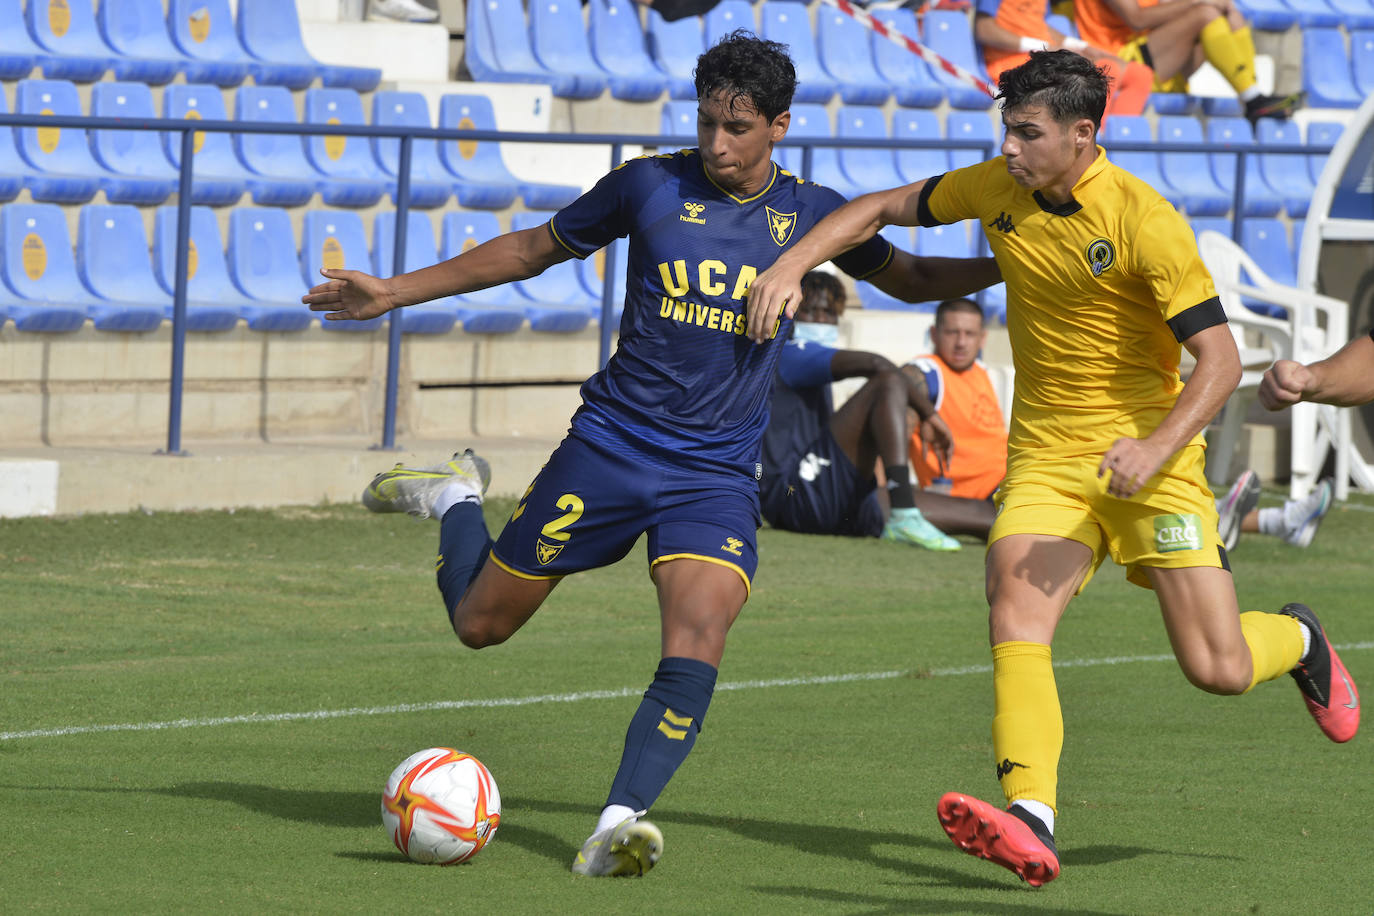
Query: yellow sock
{"points": [[1275, 642], [1027, 726], [1229, 56]]}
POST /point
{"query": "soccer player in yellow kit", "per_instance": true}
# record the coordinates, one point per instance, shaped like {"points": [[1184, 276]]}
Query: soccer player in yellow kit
{"points": [[1105, 456]]}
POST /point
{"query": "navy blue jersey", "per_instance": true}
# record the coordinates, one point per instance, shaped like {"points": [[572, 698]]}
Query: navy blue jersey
{"points": [[801, 409], [685, 387]]}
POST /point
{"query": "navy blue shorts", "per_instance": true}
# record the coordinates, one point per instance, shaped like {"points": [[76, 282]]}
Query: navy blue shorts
{"points": [[589, 504], [822, 492]]}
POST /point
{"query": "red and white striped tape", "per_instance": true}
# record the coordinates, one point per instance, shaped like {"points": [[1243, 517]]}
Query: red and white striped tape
{"points": [[920, 50]]}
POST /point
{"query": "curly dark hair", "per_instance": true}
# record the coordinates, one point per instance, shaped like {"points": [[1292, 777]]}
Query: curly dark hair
{"points": [[821, 292], [750, 71], [1068, 84]]}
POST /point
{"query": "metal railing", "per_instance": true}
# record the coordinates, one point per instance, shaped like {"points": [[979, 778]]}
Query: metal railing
{"points": [[187, 129]]}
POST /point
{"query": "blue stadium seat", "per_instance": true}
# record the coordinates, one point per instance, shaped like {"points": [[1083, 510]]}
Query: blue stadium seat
{"points": [[558, 37], [497, 49], [1327, 75], [62, 170], [869, 296], [203, 31], [870, 169], [130, 154], [1266, 240], [480, 170], [265, 267], [270, 32], [1314, 14], [916, 164], [41, 291], [208, 287], [726, 16], [282, 156], [970, 126], [1259, 198], [809, 122], [620, 48], [1219, 224], [137, 33], [912, 82], [1062, 24], [1268, 15], [785, 22], [1143, 164], [949, 33], [951, 241], [558, 301], [67, 34], [336, 239], [434, 317], [1324, 134], [1362, 60], [1227, 106], [592, 271], [112, 258], [339, 158], [847, 55], [993, 302], [1190, 173], [13, 168], [674, 48], [1357, 14], [431, 185], [1286, 174], [496, 309], [679, 119], [1173, 103], [18, 52], [218, 177]]}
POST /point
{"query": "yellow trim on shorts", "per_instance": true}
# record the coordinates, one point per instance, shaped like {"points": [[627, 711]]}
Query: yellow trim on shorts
{"points": [[696, 556], [518, 574]]}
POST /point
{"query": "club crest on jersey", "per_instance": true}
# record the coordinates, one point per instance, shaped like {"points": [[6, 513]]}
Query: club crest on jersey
{"points": [[780, 225], [694, 211], [1101, 254], [545, 552]]}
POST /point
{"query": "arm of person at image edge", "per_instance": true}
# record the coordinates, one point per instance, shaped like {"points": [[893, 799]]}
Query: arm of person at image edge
{"points": [[990, 33], [1345, 379], [354, 295]]}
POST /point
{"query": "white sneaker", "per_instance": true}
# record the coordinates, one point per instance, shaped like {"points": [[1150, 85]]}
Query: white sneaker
{"points": [[629, 849], [413, 490], [1239, 502], [400, 11], [1302, 517]]}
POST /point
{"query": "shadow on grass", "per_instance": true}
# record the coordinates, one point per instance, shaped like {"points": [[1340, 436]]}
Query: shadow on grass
{"points": [[899, 903]]}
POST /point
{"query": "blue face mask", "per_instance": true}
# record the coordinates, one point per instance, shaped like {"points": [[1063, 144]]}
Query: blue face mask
{"points": [[827, 335]]}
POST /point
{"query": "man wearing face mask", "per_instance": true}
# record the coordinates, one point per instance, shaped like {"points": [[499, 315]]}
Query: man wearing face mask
{"points": [[819, 463]]}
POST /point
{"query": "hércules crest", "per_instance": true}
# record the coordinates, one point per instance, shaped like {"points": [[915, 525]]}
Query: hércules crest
{"points": [[780, 225]]}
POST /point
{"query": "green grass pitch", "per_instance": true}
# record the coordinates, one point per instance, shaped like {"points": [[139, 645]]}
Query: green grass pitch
{"points": [[273, 667]]}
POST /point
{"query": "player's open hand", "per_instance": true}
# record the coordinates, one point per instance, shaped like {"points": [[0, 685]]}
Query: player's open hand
{"points": [[1131, 463], [773, 294], [1283, 384], [350, 295]]}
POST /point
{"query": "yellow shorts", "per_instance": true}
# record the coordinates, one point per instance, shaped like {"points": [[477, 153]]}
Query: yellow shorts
{"points": [[1171, 522], [1134, 51]]}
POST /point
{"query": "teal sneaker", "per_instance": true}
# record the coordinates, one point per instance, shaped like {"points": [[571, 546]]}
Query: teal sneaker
{"points": [[909, 526], [412, 490]]}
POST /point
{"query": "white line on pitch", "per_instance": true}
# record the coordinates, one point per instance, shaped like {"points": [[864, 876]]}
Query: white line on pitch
{"points": [[505, 702]]}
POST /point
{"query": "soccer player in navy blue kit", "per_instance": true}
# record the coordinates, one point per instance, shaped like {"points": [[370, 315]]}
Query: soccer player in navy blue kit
{"points": [[666, 441]]}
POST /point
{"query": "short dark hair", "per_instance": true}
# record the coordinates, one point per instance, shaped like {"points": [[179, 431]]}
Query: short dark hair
{"points": [[958, 305], [822, 289], [1068, 84], [749, 70]]}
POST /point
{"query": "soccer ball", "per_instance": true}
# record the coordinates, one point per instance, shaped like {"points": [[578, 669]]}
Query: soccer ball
{"points": [[441, 806]]}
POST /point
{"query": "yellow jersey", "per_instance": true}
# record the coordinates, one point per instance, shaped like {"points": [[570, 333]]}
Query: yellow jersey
{"points": [[1099, 293]]}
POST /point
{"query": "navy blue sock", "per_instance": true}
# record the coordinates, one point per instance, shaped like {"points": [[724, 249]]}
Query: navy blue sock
{"points": [[463, 547], [663, 730]]}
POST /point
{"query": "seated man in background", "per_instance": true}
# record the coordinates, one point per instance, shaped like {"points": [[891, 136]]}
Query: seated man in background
{"points": [[1174, 37], [1008, 30], [819, 463], [959, 388]]}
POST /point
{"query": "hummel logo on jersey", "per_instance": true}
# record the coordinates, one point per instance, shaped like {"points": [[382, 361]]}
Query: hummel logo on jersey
{"points": [[1007, 765], [1004, 224], [694, 211], [781, 225], [732, 545], [811, 466]]}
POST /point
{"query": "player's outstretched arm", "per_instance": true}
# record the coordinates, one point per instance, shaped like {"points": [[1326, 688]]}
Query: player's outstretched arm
{"points": [[352, 294], [919, 279], [1346, 378], [777, 291]]}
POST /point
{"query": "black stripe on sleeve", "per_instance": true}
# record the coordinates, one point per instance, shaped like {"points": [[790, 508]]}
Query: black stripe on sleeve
{"points": [[923, 215], [1199, 317]]}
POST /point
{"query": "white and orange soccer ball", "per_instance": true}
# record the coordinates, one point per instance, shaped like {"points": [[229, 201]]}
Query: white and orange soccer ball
{"points": [[441, 806]]}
